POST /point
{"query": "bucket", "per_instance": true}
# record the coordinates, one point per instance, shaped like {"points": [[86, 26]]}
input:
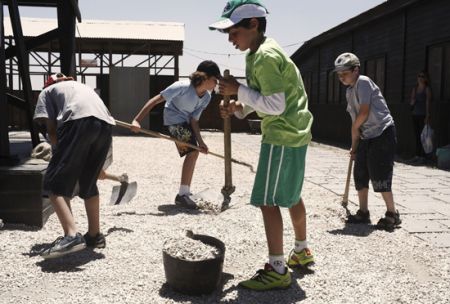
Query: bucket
{"points": [[195, 277], [443, 157]]}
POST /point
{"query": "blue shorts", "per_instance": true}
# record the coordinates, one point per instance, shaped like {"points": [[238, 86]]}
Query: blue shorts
{"points": [[183, 132], [78, 158], [375, 161]]}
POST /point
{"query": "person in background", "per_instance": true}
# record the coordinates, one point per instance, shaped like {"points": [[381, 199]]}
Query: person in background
{"points": [[421, 108]]}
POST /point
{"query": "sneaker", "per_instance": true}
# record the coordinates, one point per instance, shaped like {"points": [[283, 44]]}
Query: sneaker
{"points": [[185, 201], [97, 241], [303, 258], [360, 217], [64, 245], [390, 221], [268, 279]]}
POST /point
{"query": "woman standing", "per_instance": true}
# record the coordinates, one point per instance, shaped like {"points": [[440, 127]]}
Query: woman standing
{"points": [[421, 108]]}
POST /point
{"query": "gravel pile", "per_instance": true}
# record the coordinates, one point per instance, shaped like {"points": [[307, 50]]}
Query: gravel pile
{"points": [[354, 264]]}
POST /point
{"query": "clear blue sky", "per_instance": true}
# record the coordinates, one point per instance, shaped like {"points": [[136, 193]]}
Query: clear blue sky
{"points": [[290, 22]]}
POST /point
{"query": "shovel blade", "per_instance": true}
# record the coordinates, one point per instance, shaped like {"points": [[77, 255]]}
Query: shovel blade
{"points": [[123, 194]]}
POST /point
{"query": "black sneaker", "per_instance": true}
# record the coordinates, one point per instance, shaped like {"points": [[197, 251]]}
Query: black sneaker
{"points": [[360, 217], [64, 245], [185, 201], [97, 241]]}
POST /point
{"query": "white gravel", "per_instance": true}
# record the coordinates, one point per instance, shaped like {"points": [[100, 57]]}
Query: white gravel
{"points": [[187, 249], [354, 265]]}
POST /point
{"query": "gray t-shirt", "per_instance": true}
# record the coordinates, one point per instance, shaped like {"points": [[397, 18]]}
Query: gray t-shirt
{"points": [[365, 91], [70, 100]]}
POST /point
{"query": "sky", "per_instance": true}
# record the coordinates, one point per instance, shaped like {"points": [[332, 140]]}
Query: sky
{"points": [[290, 22]]}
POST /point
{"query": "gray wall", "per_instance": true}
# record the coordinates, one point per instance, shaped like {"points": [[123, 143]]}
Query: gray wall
{"points": [[129, 90]]}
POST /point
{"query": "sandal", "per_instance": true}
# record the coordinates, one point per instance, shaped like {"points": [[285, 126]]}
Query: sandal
{"points": [[390, 221], [360, 217]]}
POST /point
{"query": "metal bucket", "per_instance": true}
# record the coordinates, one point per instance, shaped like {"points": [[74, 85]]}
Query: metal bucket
{"points": [[195, 277]]}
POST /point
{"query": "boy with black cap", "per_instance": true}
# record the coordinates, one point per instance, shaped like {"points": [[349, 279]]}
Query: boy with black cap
{"points": [[373, 141], [79, 126], [185, 102], [276, 92]]}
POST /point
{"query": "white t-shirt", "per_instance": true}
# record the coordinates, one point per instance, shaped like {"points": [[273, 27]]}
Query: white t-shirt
{"points": [[70, 100]]}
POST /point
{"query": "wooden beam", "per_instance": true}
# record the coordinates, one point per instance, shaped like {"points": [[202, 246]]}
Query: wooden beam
{"points": [[22, 59], [4, 137]]}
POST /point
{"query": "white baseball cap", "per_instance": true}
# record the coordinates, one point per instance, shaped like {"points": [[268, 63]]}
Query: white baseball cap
{"points": [[237, 10]]}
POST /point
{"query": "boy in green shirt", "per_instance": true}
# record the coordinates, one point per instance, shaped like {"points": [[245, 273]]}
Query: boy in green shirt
{"points": [[276, 92]]}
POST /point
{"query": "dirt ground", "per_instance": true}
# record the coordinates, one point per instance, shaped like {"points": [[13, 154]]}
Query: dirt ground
{"points": [[354, 264]]}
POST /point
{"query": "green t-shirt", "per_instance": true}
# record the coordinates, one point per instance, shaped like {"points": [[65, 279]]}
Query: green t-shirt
{"points": [[269, 70]]}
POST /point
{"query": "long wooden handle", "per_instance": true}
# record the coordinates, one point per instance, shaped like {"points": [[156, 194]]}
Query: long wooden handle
{"points": [[159, 135], [227, 139], [347, 182]]}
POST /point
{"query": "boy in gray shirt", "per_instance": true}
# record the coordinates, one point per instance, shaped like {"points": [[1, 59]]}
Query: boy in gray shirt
{"points": [[373, 141], [79, 126]]}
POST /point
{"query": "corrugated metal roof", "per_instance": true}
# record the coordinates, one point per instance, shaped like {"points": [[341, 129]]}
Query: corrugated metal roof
{"points": [[106, 29]]}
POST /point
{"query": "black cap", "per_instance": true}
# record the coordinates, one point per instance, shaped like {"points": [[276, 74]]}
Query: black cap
{"points": [[210, 68]]}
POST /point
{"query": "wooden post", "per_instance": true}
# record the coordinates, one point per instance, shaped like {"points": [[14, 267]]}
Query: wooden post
{"points": [[228, 189], [4, 119]]}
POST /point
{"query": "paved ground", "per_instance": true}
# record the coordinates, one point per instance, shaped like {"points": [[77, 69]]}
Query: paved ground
{"points": [[422, 194], [355, 263]]}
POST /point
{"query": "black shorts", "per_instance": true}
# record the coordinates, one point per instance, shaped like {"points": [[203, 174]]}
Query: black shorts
{"points": [[375, 161], [183, 132], [78, 158]]}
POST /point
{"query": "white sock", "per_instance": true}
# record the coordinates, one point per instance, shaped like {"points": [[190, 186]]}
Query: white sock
{"points": [[300, 245], [184, 189], [277, 262]]}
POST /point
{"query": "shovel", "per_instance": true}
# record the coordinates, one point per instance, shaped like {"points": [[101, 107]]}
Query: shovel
{"points": [[347, 187], [125, 192]]}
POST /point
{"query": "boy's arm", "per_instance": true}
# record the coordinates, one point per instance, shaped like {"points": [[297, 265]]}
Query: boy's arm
{"points": [[360, 119], [146, 109], [196, 128], [274, 104]]}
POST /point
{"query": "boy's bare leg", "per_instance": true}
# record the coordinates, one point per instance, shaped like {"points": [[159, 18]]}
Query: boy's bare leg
{"points": [[298, 218], [188, 168], [363, 196], [62, 209], [389, 200], [273, 224], [92, 206]]}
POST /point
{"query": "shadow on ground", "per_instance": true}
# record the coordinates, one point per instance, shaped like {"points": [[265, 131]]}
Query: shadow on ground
{"points": [[236, 294], [362, 230], [71, 262]]}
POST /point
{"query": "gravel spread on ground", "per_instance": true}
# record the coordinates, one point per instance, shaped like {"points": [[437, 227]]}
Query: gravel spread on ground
{"points": [[354, 264]]}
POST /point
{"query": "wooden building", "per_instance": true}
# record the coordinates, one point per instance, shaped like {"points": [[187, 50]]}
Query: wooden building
{"points": [[394, 41]]}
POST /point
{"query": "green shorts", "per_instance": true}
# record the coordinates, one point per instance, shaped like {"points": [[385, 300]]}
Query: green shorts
{"points": [[279, 177]]}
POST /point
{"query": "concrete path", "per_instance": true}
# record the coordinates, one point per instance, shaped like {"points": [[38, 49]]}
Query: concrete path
{"points": [[422, 194]]}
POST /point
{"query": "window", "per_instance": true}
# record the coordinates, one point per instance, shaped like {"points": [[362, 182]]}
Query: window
{"points": [[375, 69], [334, 91], [439, 70]]}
